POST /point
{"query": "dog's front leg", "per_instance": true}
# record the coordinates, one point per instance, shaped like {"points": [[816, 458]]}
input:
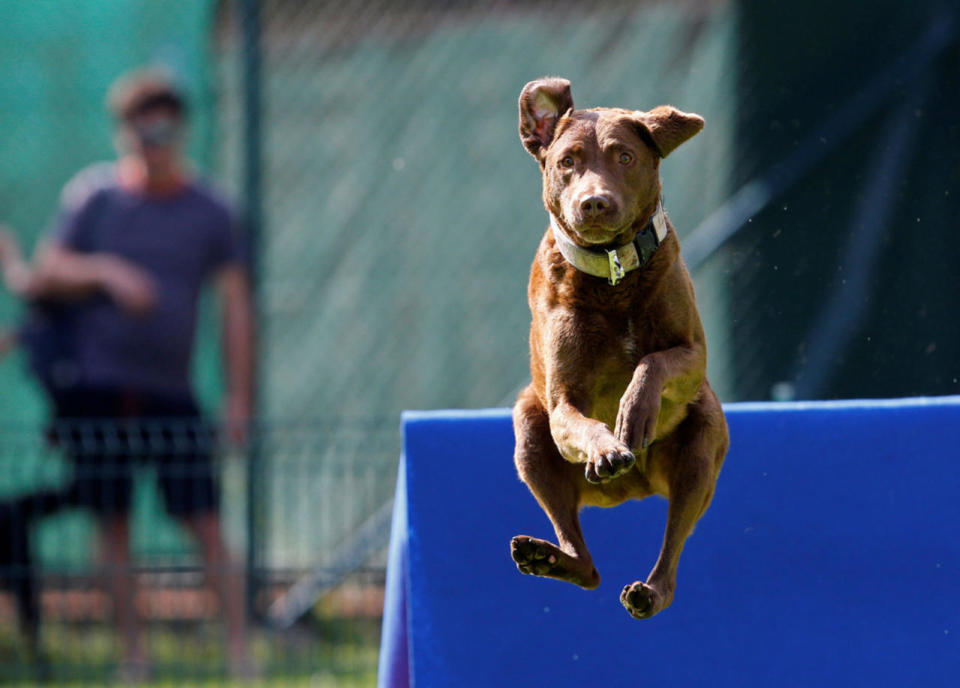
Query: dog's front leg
{"points": [[584, 440], [570, 362], [674, 374]]}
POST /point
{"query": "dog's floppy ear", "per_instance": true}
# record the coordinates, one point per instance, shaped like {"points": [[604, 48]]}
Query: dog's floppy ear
{"points": [[542, 103], [667, 127]]}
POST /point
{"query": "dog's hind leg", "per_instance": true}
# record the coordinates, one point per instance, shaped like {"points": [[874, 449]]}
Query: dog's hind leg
{"points": [[690, 461], [553, 482]]}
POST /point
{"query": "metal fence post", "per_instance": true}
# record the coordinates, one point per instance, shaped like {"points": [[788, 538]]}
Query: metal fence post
{"points": [[250, 55]]}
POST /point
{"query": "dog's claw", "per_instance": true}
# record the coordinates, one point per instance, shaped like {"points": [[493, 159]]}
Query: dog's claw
{"points": [[591, 475], [609, 465], [603, 468]]}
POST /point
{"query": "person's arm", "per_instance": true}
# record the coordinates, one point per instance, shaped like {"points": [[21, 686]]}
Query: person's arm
{"points": [[62, 273], [68, 264], [233, 286], [16, 273]]}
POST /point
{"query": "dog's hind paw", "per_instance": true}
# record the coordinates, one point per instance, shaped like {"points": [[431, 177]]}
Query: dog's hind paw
{"points": [[537, 557], [642, 601]]}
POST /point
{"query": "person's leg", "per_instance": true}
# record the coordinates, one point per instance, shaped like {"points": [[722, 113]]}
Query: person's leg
{"points": [[122, 587], [188, 480], [227, 579], [85, 427]]}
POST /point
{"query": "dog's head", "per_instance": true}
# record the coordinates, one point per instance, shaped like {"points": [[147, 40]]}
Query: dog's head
{"points": [[600, 166]]}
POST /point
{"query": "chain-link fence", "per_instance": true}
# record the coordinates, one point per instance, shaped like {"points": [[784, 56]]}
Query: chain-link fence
{"points": [[398, 215], [62, 614], [843, 203], [401, 214]]}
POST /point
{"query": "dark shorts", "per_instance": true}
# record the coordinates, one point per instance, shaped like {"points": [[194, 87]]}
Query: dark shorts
{"points": [[108, 434]]}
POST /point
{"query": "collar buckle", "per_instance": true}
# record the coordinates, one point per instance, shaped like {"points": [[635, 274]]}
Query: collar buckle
{"points": [[616, 269]]}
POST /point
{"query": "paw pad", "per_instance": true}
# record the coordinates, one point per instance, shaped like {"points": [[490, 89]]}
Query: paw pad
{"points": [[640, 600]]}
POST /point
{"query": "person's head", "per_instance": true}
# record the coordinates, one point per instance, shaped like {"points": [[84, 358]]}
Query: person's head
{"points": [[150, 114]]}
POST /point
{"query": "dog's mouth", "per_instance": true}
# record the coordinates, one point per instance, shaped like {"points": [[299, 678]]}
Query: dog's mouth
{"points": [[596, 234]]}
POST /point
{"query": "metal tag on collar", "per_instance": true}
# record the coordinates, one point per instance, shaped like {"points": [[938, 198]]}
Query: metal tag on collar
{"points": [[616, 269]]}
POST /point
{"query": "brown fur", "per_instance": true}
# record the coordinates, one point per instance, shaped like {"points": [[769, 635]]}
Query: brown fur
{"points": [[619, 407]]}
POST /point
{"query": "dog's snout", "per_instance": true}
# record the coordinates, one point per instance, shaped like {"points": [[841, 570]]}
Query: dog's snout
{"points": [[594, 205]]}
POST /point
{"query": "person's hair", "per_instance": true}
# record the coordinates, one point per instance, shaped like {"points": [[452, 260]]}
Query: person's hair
{"points": [[142, 90]]}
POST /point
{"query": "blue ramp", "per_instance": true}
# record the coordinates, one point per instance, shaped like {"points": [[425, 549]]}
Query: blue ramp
{"points": [[830, 556]]}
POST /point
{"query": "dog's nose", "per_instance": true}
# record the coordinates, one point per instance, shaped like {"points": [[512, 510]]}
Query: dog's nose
{"points": [[591, 206]]}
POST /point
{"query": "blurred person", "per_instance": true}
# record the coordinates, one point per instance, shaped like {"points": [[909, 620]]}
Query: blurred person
{"points": [[8, 341], [13, 268], [134, 243], [15, 274], [44, 331]]}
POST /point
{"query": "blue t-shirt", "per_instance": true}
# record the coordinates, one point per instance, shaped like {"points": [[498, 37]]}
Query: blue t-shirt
{"points": [[180, 241]]}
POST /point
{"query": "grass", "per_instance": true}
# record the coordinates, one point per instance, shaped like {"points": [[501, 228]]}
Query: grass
{"points": [[318, 680], [322, 653]]}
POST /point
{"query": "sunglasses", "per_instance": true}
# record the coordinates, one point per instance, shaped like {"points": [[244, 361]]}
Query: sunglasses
{"points": [[157, 133]]}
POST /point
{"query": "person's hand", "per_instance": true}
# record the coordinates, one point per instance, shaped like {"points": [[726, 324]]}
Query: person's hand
{"points": [[133, 289], [237, 419], [16, 273], [9, 248]]}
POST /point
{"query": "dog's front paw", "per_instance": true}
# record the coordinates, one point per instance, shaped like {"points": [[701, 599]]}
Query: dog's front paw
{"points": [[608, 460], [637, 418], [642, 600]]}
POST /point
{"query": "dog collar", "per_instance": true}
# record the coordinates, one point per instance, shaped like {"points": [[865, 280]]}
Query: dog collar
{"points": [[614, 263]]}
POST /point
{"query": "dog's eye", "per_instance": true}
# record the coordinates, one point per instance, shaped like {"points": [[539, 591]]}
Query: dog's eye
{"points": [[566, 161], [625, 158]]}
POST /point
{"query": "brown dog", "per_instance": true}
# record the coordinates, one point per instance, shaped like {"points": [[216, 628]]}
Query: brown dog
{"points": [[619, 407]]}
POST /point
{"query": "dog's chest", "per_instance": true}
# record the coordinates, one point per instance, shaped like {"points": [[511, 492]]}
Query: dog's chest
{"points": [[629, 343], [612, 370]]}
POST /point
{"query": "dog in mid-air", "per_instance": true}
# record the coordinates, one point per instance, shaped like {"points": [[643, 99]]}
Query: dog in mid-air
{"points": [[619, 406]]}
